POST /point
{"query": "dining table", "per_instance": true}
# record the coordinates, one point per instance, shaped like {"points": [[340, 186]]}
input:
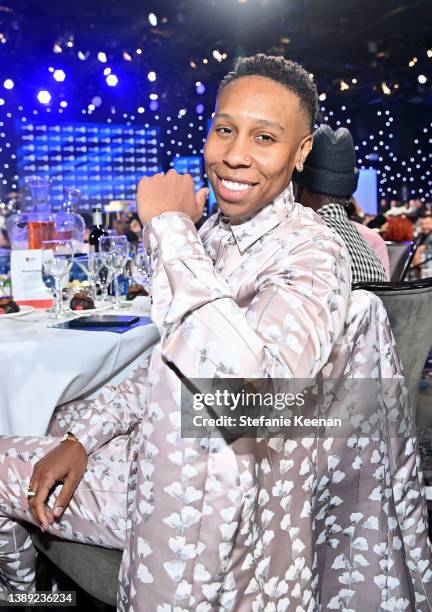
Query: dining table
{"points": [[42, 366]]}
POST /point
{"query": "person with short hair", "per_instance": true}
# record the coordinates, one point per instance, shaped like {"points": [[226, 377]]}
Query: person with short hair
{"points": [[262, 291]]}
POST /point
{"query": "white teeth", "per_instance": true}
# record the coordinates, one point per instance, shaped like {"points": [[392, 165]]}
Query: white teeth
{"points": [[235, 186]]}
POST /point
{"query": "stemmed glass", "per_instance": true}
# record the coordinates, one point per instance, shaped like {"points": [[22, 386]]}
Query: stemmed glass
{"points": [[141, 272], [91, 265], [115, 253], [57, 259]]}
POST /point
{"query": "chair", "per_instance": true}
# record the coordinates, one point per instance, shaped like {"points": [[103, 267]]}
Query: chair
{"points": [[92, 568], [400, 255], [409, 307]]}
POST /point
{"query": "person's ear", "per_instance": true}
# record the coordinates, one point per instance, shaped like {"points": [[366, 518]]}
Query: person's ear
{"points": [[303, 151]]}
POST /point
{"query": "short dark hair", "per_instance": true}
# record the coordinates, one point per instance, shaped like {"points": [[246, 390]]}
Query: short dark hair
{"points": [[286, 72]]}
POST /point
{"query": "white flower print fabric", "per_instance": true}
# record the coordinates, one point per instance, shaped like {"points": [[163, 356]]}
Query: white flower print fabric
{"points": [[281, 524]]}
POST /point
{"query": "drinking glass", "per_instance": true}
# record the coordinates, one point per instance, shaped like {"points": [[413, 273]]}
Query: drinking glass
{"points": [[141, 272], [57, 259], [91, 265], [114, 251]]}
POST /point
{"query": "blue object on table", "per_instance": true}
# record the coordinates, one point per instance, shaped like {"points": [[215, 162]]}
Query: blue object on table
{"points": [[115, 329]]}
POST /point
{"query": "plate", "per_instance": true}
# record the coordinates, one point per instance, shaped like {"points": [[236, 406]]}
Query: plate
{"points": [[24, 310], [99, 307]]}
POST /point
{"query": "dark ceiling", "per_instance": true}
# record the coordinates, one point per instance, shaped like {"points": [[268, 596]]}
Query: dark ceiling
{"points": [[368, 40]]}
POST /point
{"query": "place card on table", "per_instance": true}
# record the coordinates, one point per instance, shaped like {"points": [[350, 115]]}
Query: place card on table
{"points": [[26, 277]]}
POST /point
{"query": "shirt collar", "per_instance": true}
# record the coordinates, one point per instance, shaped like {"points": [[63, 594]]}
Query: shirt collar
{"points": [[252, 229]]}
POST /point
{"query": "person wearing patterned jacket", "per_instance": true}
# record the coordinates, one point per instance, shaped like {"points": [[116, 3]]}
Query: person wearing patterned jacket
{"points": [[326, 184], [263, 290]]}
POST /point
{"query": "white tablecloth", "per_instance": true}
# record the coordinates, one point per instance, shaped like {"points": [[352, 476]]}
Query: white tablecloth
{"points": [[41, 367]]}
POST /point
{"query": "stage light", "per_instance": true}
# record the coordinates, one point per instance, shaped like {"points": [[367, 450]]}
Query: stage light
{"points": [[344, 86], [154, 105], [139, 51], [8, 84], [59, 75], [1, 101], [102, 57], [217, 55], [192, 64], [322, 97], [44, 96], [429, 52], [57, 48], [97, 101], [199, 109], [182, 112], [385, 88], [107, 71], [126, 56], [152, 20], [200, 87], [91, 107], [140, 109], [153, 96], [112, 80], [63, 103], [82, 56], [422, 79], [151, 76]]}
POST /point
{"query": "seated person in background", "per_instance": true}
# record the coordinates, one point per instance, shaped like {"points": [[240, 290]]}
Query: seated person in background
{"points": [[374, 240], [425, 235], [423, 242], [326, 184], [397, 229], [262, 291]]}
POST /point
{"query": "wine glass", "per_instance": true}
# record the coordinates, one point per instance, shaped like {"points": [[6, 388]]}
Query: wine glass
{"points": [[57, 259], [141, 273], [115, 253], [91, 265]]}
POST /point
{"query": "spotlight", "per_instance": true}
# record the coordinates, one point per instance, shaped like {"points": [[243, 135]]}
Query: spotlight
{"points": [[112, 80], [200, 87], [322, 97], [385, 88], [152, 20], [217, 55], [82, 56], [97, 101], [421, 79], [151, 76], [59, 75], [44, 96], [1, 101], [127, 56], [154, 105], [199, 108], [153, 96], [107, 71], [8, 84], [140, 109], [102, 57], [57, 48], [63, 103]]}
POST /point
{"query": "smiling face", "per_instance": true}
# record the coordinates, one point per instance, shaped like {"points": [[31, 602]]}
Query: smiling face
{"points": [[259, 133]]}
